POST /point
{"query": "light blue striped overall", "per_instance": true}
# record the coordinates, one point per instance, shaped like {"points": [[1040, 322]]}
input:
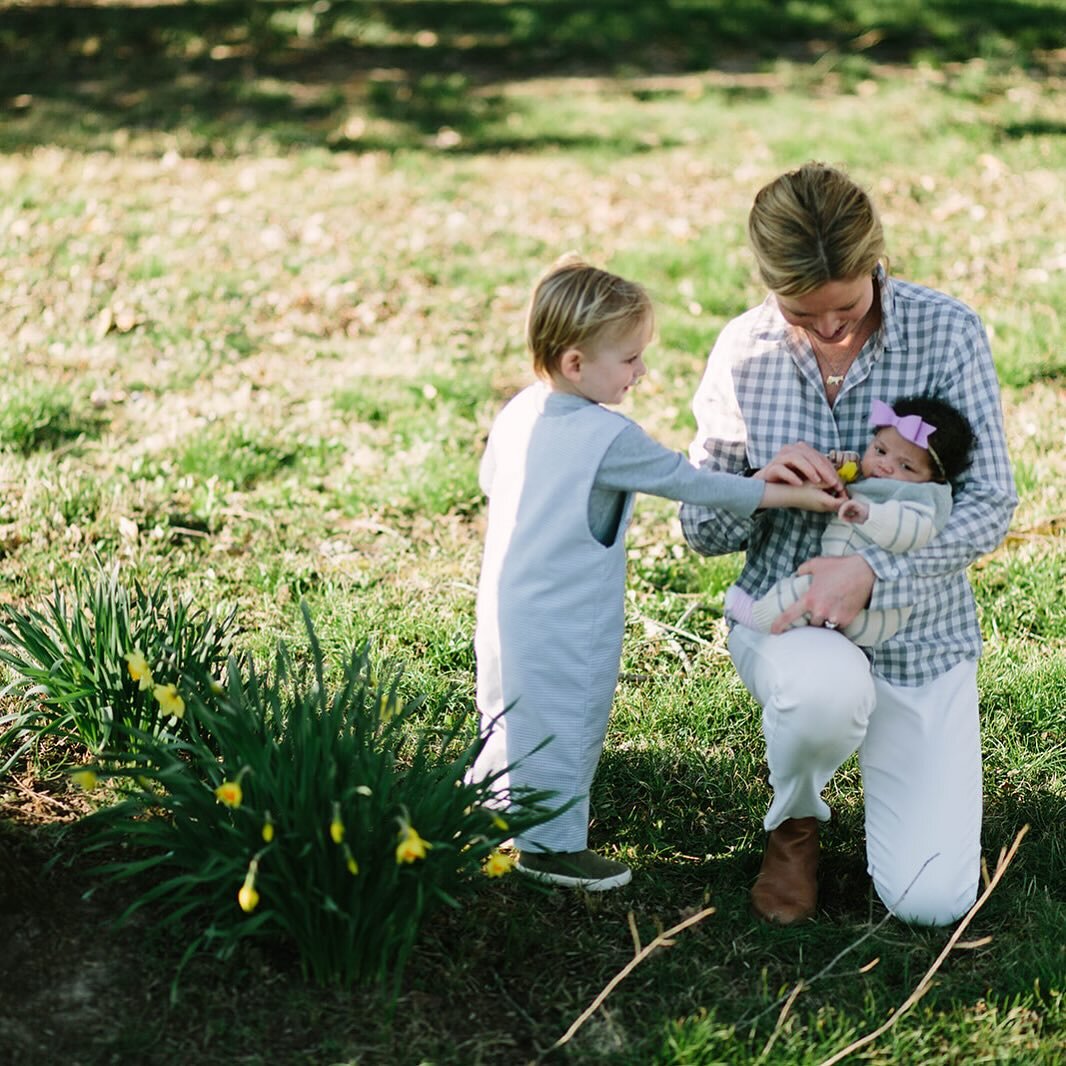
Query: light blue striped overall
{"points": [[550, 614]]}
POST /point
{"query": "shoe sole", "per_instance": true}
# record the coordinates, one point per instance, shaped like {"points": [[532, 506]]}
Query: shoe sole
{"points": [[589, 884]]}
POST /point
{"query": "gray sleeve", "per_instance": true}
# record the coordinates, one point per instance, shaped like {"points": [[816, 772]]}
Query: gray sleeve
{"points": [[636, 463]]}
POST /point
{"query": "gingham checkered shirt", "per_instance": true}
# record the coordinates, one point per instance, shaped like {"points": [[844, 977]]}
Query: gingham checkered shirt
{"points": [[762, 390]]}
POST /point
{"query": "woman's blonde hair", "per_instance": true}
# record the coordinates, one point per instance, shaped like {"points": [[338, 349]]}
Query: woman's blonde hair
{"points": [[574, 304], [811, 226]]}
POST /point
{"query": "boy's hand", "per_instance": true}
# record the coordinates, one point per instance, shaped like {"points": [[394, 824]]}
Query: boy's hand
{"points": [[821, 500], [803, 497]]}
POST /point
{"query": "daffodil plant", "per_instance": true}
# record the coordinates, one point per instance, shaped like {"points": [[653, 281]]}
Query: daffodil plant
{"points": [[104, 662], [336, 816]]}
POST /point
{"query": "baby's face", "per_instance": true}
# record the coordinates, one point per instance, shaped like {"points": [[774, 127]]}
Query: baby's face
{"points": [[890, 455]]}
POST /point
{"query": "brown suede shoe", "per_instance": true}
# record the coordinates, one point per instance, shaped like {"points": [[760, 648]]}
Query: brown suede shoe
{"points": [[786, 889]]}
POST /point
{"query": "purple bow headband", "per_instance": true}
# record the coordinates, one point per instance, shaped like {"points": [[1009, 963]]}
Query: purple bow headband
{"points": [[909, 427]]}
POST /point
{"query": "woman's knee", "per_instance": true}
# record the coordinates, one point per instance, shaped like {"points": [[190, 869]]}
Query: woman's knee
{"points": [[932, 897], [833, 698]]}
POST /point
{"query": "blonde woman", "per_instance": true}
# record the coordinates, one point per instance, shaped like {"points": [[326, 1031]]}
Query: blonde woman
{"points": [[786, 383]]}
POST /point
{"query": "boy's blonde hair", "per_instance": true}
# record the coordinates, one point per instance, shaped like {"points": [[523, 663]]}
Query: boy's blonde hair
{"points": [[574, 304], [812, 226]]}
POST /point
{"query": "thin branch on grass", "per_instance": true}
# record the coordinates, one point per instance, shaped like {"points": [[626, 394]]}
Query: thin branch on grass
{"points": [[1005, 859], [654, 623], [800, 986], [662, 940], [806, 982], [41, 797]]}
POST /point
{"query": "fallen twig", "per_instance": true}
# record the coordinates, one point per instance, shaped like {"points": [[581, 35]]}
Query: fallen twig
{"points": [[781, 1019], [654, 623], [806, 982], [662, 940], [922, 987]]}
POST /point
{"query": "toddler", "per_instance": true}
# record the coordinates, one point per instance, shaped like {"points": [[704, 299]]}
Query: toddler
{"points": [[560, 471], [920, 445]]}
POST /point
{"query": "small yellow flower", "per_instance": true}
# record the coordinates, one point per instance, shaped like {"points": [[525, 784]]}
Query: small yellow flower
{"points": [[498, 864], [388, 708], [85, 779], [229, 793], [247, 897], [848, 471], [139, 670], [169, 700], [499, 822], [411, 846], [336, 827], [268, 829], [349, 859]]}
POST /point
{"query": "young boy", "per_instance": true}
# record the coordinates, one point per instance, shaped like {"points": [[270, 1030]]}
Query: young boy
{"points": [[560, 472]]}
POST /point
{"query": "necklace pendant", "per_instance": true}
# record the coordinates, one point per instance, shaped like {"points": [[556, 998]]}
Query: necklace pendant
{"points": [[834, 379]]}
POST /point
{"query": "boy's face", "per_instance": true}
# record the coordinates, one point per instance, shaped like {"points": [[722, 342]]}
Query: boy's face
{"points": [[609, 367], [890, 455]]}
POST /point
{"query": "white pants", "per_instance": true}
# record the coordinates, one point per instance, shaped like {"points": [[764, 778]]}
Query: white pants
{"points": [[919, 753]]}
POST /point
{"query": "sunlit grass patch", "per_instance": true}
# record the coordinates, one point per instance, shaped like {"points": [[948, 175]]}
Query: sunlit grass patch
{"points": [[284, 258], [36, 415]]}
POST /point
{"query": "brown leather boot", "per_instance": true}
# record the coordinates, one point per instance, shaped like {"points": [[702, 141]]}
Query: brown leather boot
{"points": [[786, 889]]}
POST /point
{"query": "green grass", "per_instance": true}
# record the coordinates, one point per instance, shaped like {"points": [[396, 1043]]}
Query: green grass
{"points": [[265, 271]]}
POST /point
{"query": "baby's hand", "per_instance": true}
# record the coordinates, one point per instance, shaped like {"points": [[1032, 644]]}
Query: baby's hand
{"points": [[854, 511]]}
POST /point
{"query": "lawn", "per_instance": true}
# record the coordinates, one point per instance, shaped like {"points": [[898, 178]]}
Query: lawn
{"points": [[264, 268]]}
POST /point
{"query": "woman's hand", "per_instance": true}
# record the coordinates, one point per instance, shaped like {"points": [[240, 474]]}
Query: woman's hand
{"points": [[800, 464], [840, 588]]}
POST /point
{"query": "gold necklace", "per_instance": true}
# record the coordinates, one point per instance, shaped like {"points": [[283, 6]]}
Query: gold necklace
{"points": [[839, 371], [836, 378]]}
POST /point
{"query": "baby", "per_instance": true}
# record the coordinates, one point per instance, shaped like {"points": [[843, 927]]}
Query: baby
{"points": [[920, 445]]}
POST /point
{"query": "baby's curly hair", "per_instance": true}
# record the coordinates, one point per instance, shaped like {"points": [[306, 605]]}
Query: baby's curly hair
{"points": [[951, 444]]}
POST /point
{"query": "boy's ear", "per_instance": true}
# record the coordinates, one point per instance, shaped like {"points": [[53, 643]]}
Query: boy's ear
{"points": [[570, 364]]}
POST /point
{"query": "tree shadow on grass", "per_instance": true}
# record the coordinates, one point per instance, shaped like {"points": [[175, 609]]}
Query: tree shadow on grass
{"points": [[702, 814], [220, 77]]}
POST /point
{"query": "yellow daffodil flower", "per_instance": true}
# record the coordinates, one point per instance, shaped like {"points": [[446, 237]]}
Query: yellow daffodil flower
{"points": [[268, 829], [411, 846], [336, 826], [138, 668], [85, 779], [388, 708], [849, 471], [169, 700], [499, 822], [229, 793], [248, 898], [498, 864], [349, 859]]}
